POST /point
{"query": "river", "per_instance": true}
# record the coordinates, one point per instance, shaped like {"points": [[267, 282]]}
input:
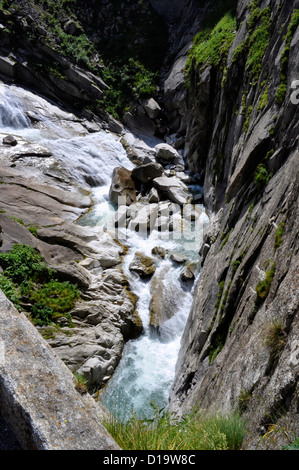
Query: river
{"points": [[146, 371]]}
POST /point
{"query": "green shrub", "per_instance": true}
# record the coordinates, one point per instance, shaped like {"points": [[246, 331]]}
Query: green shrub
{"points": [[261, 177], [81, 384], [264, 100], [244, 399], [263, 287], [259, 24], [10, 290], [293, 446], [27, 280], [211, 46], [42, 315], [58, 296], [275, 340], [23, 263], [281, 93], [278, 235], [248, 116], [128, 83], [282, 89]]}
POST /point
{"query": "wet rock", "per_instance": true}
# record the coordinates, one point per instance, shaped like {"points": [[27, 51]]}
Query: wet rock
{"points": [[10, 140], [143, 217], [177, 258], [159, 251], [178, 195], [163, 302], [122, 190], [153, 196], [164, 183], [188, 272], [174, 189], [143, 265], [191, 212]]}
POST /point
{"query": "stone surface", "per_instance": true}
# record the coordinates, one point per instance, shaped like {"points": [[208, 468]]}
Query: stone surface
{"points": [[10, 140], [166, 153], [224, 354], [178, 258], [147, 172], [244, 326], [38, 395], [122, 190], [153, 196], [175, 190], [152, 108], [188, 272], [143, 265]]}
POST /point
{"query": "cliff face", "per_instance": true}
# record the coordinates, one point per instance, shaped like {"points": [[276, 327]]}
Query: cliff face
{"points": [[240, 119]]}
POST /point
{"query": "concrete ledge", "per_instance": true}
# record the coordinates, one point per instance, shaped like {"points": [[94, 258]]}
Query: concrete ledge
{"points": [[37, 393]]}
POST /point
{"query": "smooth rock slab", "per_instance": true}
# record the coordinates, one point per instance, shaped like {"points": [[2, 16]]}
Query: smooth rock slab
{"points": [[37, 392]]}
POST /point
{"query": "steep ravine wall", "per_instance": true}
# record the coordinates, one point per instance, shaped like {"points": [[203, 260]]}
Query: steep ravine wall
{"points": [[240, 347]]}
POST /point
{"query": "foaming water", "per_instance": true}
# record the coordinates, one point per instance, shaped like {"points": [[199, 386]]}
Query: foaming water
{"points": [[146, 371], [12, 114], [89, 157]]}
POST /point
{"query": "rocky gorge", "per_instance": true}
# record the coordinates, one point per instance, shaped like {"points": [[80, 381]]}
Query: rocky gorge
{"points": [[212, 150]]}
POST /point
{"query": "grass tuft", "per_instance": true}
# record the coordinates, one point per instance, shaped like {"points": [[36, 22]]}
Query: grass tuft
{"points": [[197, 431]]}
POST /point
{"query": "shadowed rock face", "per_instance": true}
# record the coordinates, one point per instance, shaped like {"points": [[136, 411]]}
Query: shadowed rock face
{"points": [[171, 10], [225, 354]]}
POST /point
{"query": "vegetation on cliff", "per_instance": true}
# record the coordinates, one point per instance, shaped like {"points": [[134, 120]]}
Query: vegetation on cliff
{"points": [[121, 42], [212, 43], [29, 283]]}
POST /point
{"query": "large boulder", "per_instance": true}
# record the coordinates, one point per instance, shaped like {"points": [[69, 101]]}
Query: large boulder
{"points": [[166, 153], [143, 217], [174, 189], [151, 108], [188, 272], [163, 302], [122, 190], [10, 140], [147, 172], [143, 265], [38, 392]]}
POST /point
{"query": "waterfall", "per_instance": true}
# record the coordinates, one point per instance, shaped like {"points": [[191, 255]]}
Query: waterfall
{"points": [[12, 116], [146, 370]]}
